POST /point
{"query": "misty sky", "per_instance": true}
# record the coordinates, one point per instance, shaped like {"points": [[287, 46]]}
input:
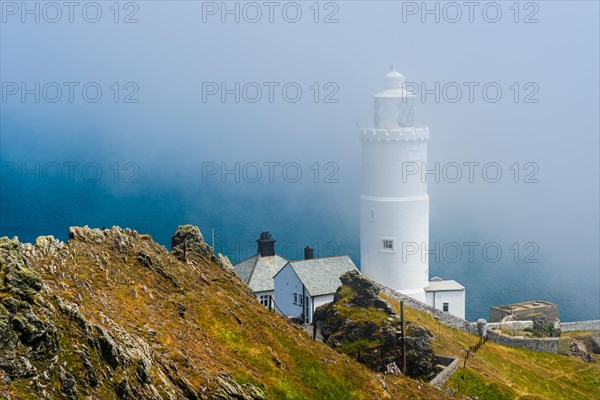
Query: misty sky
{"points": [[170, 55]]}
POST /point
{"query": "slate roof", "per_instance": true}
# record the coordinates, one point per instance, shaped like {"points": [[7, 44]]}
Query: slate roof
{"points": [[257, 272], [322, 275], [443, 286]]}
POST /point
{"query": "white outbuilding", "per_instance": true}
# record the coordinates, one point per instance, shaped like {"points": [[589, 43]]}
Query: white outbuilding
{"points": [[448, 296]]}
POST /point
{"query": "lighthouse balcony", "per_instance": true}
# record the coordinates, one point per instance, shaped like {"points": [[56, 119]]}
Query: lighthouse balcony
{"points": [[394, 134]]}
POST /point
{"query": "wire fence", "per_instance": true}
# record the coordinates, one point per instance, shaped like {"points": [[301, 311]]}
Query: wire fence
{"points": [[471, 350]]}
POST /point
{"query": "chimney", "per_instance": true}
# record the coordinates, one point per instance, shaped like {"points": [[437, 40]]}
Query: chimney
{"points": [[266, 245], [308, 253]]}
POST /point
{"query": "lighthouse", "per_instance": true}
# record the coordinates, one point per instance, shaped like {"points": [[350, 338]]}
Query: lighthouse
{"points": [[394, 205]]}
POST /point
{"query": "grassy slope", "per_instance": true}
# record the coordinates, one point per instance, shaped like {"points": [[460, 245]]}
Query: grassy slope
{"points": [[499, 372], [224, 329]]}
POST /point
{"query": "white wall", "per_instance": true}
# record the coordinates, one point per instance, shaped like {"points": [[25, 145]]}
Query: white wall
{"points": [[323, 299], [286, 284], [266, 293], [454, 298]]}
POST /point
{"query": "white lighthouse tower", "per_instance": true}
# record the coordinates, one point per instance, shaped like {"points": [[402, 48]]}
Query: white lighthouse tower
{"points": [[394, 205]]}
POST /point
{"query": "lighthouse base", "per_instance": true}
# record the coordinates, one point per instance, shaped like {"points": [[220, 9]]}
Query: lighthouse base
{"points": [[417, 294]]}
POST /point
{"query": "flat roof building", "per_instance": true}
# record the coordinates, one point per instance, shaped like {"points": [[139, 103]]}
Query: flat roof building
{"points": [[524, 311]]}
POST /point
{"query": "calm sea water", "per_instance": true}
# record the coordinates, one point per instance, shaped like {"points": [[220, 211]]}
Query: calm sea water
{"points": [[324, 217]]}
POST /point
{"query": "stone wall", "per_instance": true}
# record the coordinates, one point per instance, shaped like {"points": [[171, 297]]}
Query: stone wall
{"points": [[548, 311], [593, 325], [441, 378], [443, 317], [510, 325], [548, 345]]}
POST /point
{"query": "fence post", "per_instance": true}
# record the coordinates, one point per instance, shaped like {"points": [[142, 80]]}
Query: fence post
{"points": [[403, 342]]}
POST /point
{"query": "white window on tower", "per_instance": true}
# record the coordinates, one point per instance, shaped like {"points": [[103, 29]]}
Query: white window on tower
{"points": [[387, 245], [445, 307], [295, 298]]}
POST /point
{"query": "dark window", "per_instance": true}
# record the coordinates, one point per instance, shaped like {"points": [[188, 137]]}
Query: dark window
{"points": [[445, 307], [306, 309], [388, 244], [264, 300]]}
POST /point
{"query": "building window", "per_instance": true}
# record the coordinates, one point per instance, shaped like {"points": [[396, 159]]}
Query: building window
{"points": [[264, 300], [298, 299], [445, 307], [306, 309], [387, 245], [372, 215]]}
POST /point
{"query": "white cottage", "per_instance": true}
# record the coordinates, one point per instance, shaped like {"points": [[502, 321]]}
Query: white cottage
{"points": [[448, 296], [257, 271], [302, 286]]}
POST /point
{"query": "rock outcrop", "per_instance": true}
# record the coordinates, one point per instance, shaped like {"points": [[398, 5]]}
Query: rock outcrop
{"points": [[585, 346], [188, 240], [364, 325], [111, 314], [48, 344]]}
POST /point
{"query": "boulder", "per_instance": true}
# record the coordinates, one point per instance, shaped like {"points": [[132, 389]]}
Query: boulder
{"points": [[375, 343], [188, 240]]}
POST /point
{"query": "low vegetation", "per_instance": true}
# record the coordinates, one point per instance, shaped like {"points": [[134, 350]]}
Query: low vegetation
{"points": [[182, 323], [500, 372], [194, 318]]}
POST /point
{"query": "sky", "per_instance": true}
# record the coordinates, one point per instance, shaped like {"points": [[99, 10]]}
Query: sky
{"points": [[190, 88]]}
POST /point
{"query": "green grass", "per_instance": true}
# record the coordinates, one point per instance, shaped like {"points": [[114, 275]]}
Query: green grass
{"points": [[471, 383], [502, 369], [358, 314], [577, 333], [354, 348]]}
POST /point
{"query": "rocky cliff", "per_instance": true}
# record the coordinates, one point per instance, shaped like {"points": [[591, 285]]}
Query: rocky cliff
{"points": [[112, 314], [364, 325]]}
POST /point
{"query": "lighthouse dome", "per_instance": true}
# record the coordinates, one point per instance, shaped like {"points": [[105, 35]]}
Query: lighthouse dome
{"points": [[394, 80], [394, 106]]}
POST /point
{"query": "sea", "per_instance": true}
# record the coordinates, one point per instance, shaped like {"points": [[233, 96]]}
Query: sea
{"points": [[232, 216]]}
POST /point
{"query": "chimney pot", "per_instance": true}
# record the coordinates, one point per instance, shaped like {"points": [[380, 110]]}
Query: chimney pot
{"points": [[308, 253], [266, 245]]}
